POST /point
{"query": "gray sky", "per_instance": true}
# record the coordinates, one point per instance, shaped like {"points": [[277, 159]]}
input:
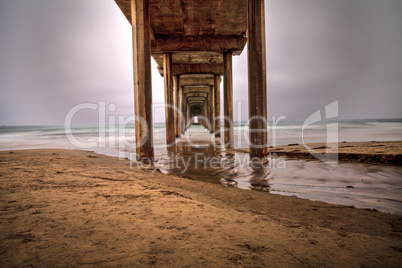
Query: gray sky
{"points": [[55, 54]]}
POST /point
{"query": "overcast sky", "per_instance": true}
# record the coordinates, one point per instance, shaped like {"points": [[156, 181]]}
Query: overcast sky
{"points": [[55, 54]]}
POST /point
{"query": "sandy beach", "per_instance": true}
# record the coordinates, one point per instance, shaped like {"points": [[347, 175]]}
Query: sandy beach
{"points": [[139, 133], [76, 208]]}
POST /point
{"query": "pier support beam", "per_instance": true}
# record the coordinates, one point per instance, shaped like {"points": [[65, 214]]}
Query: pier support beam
{"points": [[169, 112], [142, 79], [183, 110], [228, 98], [212, 109], [176, 85], [257, 83], [185, 115], [180, 108], [217, 100], [188, 116], [205, 108]]}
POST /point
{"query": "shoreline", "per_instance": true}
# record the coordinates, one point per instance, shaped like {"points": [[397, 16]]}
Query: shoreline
{"points": [[369, 152], [78, 208], [372, 152]]}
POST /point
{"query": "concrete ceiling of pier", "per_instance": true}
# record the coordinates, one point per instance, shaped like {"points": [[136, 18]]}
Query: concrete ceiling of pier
{"points": [[188, 80], [196, 32], [195, 89], [196, 95]]}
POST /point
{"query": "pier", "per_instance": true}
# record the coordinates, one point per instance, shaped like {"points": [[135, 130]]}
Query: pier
{"points": [[193, 43]]}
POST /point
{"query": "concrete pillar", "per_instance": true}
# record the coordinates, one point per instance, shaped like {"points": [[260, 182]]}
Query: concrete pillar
{"points": [[207, 105], [185, 115], [169, 112], [257, 83], [188, 116], [217, 102], [228, 98], [176, 86], [183, 110], [175, 91], [212, 108], [142, 79], [206, 114], [179, 107], [206, 108]]}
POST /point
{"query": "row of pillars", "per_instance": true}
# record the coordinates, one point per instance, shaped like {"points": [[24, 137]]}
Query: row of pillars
{"points": [[178, 109], [210, 110], [178, 124]]}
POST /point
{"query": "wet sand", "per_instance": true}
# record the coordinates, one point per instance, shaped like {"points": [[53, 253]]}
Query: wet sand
{"points": [[376, 152], [355, 180], [77, 208]]}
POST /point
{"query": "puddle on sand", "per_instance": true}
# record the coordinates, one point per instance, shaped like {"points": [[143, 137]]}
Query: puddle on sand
{"points": [[360, 185]]}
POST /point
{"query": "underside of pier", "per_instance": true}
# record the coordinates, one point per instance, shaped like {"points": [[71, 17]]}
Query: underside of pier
{"points": [[193, 43]]}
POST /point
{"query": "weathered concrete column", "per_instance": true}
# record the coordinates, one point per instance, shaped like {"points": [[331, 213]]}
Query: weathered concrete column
{"points": [[179, 108], [175, 91], [142, 79], [206, 113], [188, 116], [185, 115], [212, 109], [207, 104], [183, 110], [257, 83], [184, 118], [217, 102], [169, 112], [176, 86], [228, 98]]}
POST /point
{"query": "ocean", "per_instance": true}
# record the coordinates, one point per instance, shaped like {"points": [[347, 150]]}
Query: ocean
{"points": [[361, 185], [285, 132]]}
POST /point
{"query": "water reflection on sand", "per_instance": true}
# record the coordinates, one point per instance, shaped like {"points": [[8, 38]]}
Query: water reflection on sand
{"points": [[361, 185]]}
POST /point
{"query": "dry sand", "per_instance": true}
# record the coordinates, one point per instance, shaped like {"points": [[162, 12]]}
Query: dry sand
{"points": [[76, 208]]}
